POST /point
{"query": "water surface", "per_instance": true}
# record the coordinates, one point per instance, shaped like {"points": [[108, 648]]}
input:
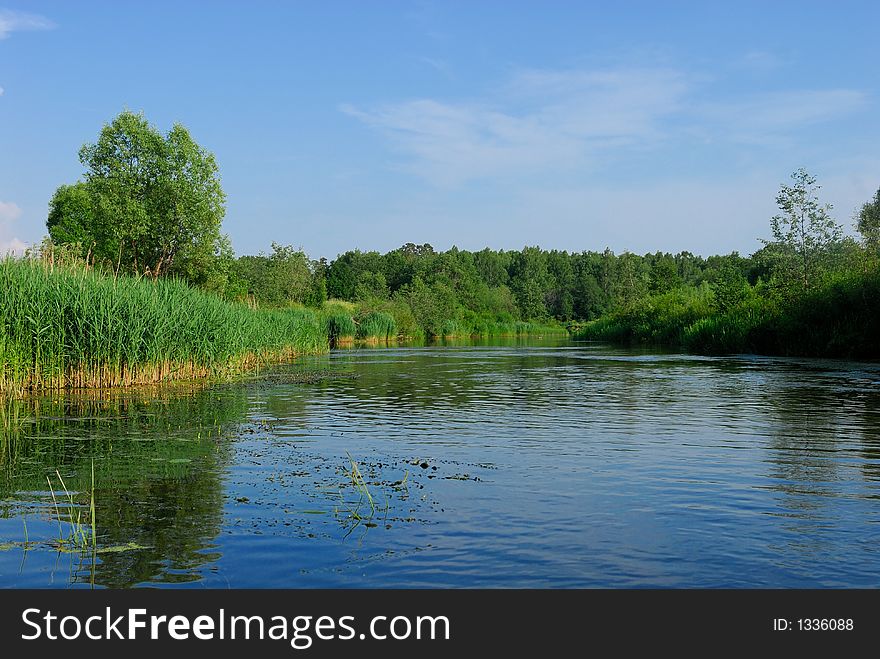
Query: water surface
{"points": [[506, 463]]}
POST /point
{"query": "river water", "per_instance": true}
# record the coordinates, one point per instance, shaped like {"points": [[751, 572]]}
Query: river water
{"points": [[513, 463]]}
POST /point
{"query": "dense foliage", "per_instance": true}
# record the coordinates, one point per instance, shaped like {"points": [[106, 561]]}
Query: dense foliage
{"points": [[808, 291], [64, 325], [457, 292], [148, 204]]}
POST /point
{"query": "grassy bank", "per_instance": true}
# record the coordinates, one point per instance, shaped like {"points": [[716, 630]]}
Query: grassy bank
{"points": [[347, 322], [840, 318], [71, 327]]}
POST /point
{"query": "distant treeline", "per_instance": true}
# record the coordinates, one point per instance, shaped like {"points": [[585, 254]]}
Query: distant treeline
{"points": [[438, 287], [809, 290]]}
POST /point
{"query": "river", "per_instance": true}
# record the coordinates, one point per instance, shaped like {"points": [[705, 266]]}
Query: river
{"points": [[509, 463]]}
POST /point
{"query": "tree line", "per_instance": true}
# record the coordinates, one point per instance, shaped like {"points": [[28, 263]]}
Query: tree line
{"points": [[152, 204]]}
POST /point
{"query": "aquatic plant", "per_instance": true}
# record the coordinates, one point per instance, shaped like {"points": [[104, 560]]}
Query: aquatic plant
{"points": [[376, 325], [78, 535], [365, 508], [339, 326], [72, 327]]}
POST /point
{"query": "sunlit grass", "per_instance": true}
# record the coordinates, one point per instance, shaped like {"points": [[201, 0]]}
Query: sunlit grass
{"points": [[72, 327]]}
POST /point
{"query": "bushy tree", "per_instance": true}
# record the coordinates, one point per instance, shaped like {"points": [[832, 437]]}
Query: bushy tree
{"points": [[730, 287], [149, 203], [282, 277]]}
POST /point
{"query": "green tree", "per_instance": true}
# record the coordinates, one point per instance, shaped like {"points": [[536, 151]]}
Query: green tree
{"points": [[869, 222], [149, 202], [730, 287], [530, 282], [664, 273], [631, 281], [804, 232], [71, 217]]}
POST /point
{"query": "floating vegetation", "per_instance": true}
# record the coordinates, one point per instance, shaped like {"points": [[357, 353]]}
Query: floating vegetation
{"points": [[303, 377], [462, 477], [81, 532], [365, 508]]}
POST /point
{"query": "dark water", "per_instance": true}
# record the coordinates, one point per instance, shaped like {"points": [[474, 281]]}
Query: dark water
{"points": [[515, 464]]}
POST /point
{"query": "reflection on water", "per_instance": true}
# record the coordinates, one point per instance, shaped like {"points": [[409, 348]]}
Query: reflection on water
{"points": [[505, 463]]}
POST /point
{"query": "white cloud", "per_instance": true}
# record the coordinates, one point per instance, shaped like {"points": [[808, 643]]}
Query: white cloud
{"points": [[1, 91], [19, 21], [539, 120], [13, 246], [9, 212], [448, 144], [576, 121], [753, 118]]}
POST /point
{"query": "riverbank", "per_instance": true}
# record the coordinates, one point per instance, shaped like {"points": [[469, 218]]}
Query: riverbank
{"points": [[840, 318], [71, 327]]}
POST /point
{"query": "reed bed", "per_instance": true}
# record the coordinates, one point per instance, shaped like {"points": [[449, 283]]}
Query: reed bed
{"points": [[339, 325], [376, 325], [71, 327]]}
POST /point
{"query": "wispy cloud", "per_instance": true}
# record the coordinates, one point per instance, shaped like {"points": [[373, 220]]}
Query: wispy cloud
{"points": [[19, 21], [763, 61], [439, 65], [553, 121], [539, 119], [1, 91], [754, 118]]}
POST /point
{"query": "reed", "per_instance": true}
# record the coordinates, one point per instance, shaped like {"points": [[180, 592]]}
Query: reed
{"points": [[339, 325], [82, 533], [70, 327], [376, 325]]}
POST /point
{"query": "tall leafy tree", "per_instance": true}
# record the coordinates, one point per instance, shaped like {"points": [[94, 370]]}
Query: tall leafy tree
{"points": [[869, 222], [803, 232], [149, 202]]}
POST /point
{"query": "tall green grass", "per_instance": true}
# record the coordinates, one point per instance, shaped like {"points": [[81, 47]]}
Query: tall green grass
{"points": [[339, 326], [72, 327], [376, 325]]}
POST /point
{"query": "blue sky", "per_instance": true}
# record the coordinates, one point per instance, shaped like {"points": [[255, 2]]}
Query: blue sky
{"points": [[573, 125]]}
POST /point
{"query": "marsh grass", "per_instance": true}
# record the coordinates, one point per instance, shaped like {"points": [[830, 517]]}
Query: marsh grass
{"points": [[339, 326], [376, 325], [70, 327], [81, 534]]}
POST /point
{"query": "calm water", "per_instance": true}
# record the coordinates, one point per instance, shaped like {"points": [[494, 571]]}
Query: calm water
{"points": [[515, 464]]}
